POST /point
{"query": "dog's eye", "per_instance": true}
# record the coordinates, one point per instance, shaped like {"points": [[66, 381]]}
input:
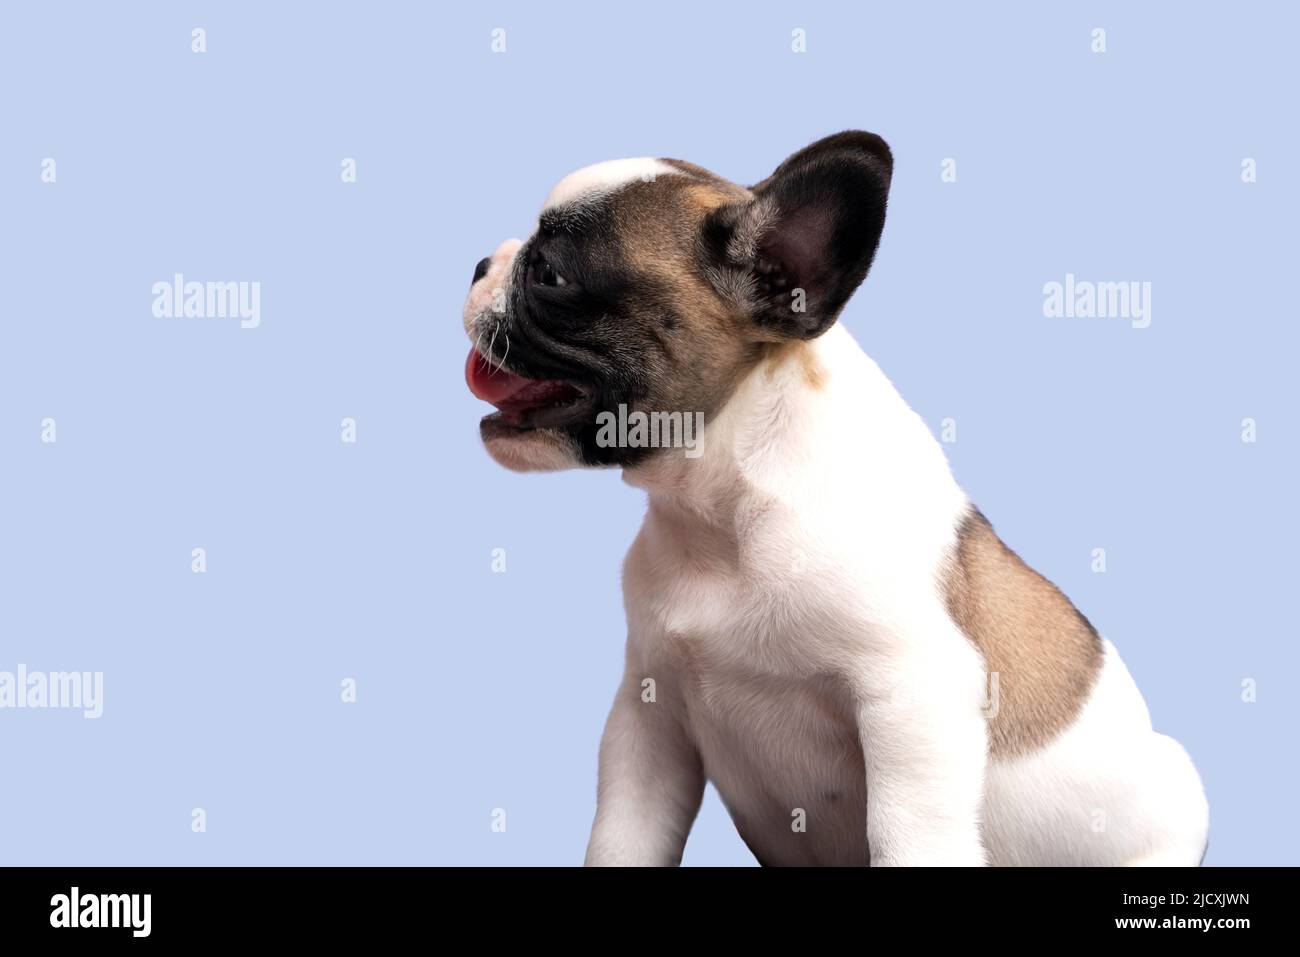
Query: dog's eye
{"points": [[544, 274]]}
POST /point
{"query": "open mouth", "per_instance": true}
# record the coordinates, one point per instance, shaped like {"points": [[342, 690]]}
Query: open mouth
{"points": [[524, 404]]}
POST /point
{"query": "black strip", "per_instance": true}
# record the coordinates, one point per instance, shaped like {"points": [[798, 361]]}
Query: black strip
{"points": [[661, 909]]}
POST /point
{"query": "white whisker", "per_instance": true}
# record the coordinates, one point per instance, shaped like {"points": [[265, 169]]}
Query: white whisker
{"points": [[492, 342]]}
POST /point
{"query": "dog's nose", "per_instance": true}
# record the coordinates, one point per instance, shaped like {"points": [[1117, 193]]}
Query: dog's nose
{"points": [[481, 269]]}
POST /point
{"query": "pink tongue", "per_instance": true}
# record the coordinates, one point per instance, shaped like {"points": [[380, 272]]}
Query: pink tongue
{"points": [[489, 383]]}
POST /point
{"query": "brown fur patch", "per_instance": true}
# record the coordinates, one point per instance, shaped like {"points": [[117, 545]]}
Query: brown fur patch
{"points": [[797, 351], [813, 373], [1046, 654], [708, 346], [725, 190]]}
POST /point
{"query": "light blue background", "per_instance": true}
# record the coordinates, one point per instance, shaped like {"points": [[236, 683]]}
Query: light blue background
{"points": [[481, 690]]}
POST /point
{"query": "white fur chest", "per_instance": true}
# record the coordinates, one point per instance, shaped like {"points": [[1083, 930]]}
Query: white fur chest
{"points": [[744, 663]]}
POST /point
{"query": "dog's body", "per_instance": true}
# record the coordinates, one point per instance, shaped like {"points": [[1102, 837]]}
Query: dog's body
{"points": [[820, 623], [788, 594]]}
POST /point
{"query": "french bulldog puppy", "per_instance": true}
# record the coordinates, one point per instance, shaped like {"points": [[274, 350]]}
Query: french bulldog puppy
{"points": [[819, 620]]}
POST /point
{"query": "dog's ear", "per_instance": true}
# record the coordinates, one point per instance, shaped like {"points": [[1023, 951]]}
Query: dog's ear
{"points": [[793, 255]]}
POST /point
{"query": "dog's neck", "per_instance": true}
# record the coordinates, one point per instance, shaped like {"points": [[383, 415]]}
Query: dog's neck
{"points": [[812, 425], [774, 434]]}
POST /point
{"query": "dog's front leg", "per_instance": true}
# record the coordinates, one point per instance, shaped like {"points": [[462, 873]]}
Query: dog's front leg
{"points": [[651, 782], [924, 741]]}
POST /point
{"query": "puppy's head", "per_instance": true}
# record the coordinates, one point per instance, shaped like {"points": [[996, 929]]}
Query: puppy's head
{"points": [[655, 285]]}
